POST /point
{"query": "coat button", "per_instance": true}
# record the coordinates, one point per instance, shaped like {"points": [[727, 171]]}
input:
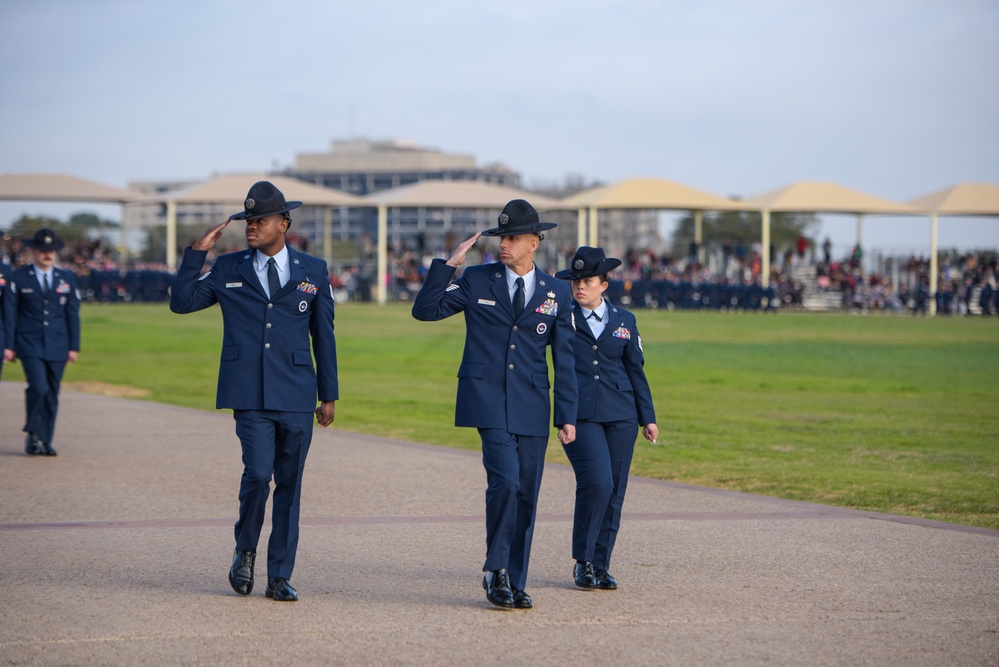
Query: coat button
{"points": [[268, 325], [510, 367], [514, 327], [596, 377], [594, 347], [270, 305], [267, 346], [596, 363], [513, 347]]}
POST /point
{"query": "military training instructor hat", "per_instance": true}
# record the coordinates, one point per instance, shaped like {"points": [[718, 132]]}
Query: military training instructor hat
{"points": [[588, 262], [262, 200], [44, 239], [519, 217]]}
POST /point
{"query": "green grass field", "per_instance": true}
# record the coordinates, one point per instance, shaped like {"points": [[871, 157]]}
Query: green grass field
{"points": [[890, 414]]}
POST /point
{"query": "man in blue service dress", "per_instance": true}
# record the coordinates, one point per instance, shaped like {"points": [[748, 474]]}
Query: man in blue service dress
{"points": [[513, 312], [42, 328], [274, 300]]}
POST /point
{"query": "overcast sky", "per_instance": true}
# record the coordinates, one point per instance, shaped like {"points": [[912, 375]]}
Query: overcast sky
{"points": [[897, 98]]}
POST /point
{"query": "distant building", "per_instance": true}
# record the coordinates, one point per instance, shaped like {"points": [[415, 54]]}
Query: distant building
{"points": [[359, 167], [362, 167]]}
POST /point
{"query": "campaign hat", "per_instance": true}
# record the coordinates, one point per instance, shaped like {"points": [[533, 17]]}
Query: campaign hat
{"points": [[588, 262], [262, 200], [45, 239], [518, 217]]}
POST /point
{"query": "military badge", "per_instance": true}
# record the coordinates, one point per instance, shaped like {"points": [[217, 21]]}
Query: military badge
{"points": [[63, 288], [549, 307], [621, 332], [308, 288], [249, 203], [303, 306], [452, 287], [542, 328]]}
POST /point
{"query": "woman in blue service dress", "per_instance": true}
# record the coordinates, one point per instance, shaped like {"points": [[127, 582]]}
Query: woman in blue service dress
{"points": [[614, 399]]}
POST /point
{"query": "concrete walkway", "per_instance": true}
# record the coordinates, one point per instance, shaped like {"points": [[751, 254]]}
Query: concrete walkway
{"points": [[116, 551]]}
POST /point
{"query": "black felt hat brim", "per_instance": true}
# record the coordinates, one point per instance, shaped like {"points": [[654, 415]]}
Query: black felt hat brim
{"points": [[604, 266], [288, 206], [532, 229]]}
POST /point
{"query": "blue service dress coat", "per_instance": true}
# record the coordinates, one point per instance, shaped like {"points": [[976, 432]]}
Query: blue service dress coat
{"points": [[503, 377], [38, 325], [610, 370], [266, 359]]}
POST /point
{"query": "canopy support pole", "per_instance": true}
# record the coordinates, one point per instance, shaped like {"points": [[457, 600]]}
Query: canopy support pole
{"points": [[171, 235], [382, 252], [934, 269], [765, 250]]}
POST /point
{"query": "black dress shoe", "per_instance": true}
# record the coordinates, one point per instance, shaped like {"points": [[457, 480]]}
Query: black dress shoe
{"points": [[605, 581], [498, 591], [279, 589], [241, 572], [583, 574], [521, 600], [32, 445], [47, 449]]}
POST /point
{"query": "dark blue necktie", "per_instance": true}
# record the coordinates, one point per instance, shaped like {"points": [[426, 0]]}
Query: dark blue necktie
{"points": [[518, 297], [595, 316], [45, 280], [272, 278]]}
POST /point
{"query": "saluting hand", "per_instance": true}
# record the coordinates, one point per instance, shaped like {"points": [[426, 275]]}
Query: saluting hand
{"points": [[458, 257], [207, 242]]}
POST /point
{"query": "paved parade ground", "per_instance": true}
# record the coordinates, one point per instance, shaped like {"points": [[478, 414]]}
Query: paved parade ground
{"points": [[116, 553]]}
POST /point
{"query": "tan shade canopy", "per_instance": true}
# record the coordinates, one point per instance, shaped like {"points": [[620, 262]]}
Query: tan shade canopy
{"points": [[456, 194], [648, 193], [819, 197], [62, 187], [961, 199], [232, 189]]}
